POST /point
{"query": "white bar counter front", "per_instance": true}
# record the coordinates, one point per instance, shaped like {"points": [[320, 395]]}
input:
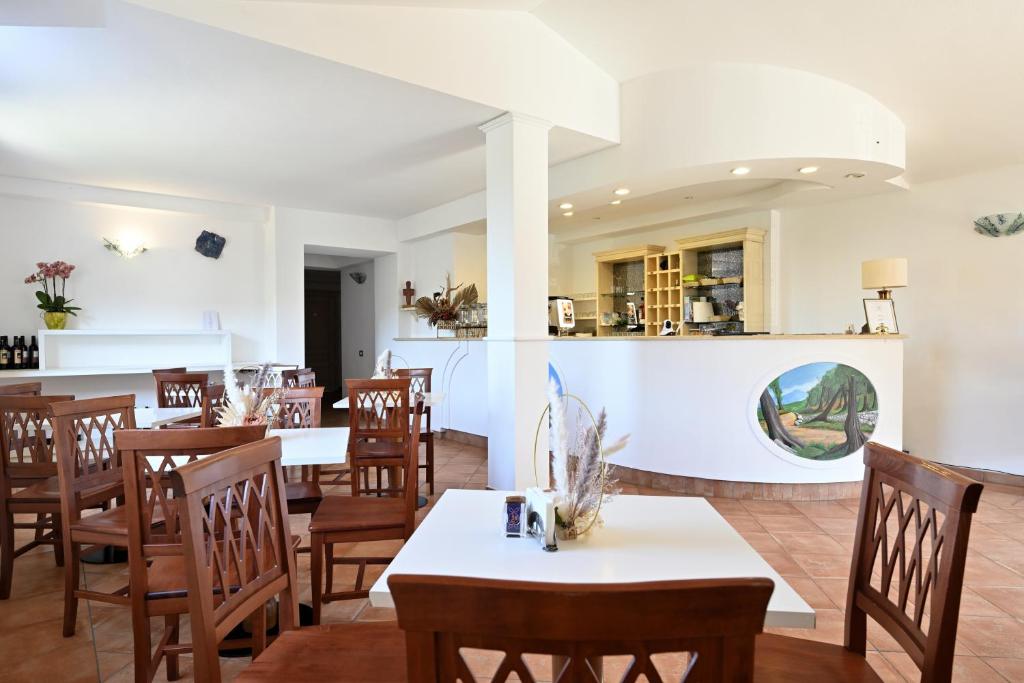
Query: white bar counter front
{"points": [[688, 403]]}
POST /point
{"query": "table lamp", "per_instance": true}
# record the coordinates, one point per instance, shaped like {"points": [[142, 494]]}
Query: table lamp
{"points": [[884, 275]]}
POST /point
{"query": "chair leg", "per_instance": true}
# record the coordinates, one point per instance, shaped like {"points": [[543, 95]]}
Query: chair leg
{"points": [[142, 644], [430, 462], [172, 624], [6, 554], [58, 540], [259, 631], [316, 560], [71, 569], [329, 581]]}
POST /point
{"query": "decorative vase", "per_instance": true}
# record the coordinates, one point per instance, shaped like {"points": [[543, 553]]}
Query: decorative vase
{"points": [[446, 328], [55, 320]]}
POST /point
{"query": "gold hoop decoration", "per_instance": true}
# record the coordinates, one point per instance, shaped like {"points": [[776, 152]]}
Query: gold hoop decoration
{"points": [[600, 450]]}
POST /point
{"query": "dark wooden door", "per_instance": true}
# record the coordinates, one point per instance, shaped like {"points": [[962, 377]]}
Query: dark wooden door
{"points": [[323, 327]]}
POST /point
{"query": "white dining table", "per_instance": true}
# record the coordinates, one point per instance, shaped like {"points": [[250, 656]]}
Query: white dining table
{"points": [[152, 418], [644, 538], [431, 399], [317, 446]]}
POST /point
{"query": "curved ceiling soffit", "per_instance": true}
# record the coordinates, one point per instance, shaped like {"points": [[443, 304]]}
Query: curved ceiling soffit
{"points": [[694, 125]]}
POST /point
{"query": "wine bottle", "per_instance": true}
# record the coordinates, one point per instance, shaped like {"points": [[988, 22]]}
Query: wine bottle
{"points": [[33, 354], [5, 354], [17, 355]]}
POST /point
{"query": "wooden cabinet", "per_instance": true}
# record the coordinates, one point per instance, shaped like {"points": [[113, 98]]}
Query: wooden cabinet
{"points": [[620, 282], [726, 257]]}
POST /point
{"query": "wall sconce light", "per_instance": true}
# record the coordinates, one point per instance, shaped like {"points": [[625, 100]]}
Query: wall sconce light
{"points": [[124, 248], [358, 277]]}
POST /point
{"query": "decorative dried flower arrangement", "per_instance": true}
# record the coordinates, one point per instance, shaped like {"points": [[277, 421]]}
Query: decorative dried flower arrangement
{"points": [[250, 404], [580, 476], [445, 308]]}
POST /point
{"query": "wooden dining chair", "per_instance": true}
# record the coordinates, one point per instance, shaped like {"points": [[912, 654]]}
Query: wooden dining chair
{"points": [[28, 480], [714, 622], [237, 498], [212, 396], [180, 389], [420, 383], [300, 408], [907, 574], [378, 428], [156, 561], [351, 519], [22, 389], [301, 378], [89, 473]]}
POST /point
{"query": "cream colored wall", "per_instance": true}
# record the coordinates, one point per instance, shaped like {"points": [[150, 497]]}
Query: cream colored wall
{"points": [[470, 262], [573, 272], [963, 311]]}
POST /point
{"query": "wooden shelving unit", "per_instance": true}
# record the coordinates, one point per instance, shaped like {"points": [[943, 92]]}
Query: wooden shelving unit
{"points": [[662, 290], [610, 300], [745, 246]]}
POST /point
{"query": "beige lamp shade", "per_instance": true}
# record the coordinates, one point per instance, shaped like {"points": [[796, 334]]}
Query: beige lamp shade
{"points": [[883, 273]]}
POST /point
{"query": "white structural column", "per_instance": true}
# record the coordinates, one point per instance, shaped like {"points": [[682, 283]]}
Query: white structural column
{"points": [[517, 292]]}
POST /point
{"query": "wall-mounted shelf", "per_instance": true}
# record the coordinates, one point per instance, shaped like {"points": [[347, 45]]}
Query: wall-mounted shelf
{"points": [[74, 353]]}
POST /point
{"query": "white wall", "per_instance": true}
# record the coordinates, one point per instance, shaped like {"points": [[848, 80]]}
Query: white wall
{"points": [[292, 232], [168, 287], [357, 322], [470, 263], [963, 311]]}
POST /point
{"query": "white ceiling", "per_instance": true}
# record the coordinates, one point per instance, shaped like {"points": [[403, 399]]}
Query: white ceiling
{"points": [[524, 5], [952, 70], [158, 104]]}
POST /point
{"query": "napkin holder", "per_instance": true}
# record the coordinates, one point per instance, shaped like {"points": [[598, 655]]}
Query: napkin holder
{"points": [[540, 516]]}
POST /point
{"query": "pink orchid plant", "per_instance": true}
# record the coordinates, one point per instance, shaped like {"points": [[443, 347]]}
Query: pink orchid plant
{"points": [[48, 274]]}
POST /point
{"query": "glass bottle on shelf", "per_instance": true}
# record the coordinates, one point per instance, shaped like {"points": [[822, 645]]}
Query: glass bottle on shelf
{"points": [[5, 354]]}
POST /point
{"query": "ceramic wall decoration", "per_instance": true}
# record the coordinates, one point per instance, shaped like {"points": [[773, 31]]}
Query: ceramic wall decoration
{"points": [[1000, 224], [819, 411], [210, 244]]}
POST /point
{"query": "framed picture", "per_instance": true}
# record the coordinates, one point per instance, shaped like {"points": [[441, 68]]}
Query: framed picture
{"points": [[880, 312]]}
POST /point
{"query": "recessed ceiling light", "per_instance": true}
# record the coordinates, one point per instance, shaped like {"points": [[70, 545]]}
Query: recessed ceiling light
{"points": [[809, 169], [740, 170], [567, 214], [854, 176], [615, 202], [689, 196], [565, 206], [622, 191]]}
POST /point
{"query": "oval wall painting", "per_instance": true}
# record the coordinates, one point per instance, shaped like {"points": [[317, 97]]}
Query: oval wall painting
{"points": [[819, 411]]}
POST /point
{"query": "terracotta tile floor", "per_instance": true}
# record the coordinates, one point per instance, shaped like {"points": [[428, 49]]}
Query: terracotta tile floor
{"points": [[808, 543]]}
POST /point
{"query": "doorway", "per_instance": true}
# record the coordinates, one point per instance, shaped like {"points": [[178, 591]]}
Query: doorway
{"points": [[339, 321]]}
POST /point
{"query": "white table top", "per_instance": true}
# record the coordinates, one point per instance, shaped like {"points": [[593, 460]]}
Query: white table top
{"points": [[321, 446], [151, 418], [431, 399], [645, 538]]}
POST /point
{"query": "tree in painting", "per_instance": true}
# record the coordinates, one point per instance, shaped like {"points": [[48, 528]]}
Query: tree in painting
{"points": [[819, 411]]}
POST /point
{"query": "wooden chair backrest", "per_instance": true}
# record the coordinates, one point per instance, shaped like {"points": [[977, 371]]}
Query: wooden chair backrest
{"points": [[300, 408], [83, 434], [717, 620], [909, 555], [419, 379], [378, 408], [170, 370], [22, 389], [180, 389], [294, 378], [237, 544], [148, 456], [26, 454], [212, 399]]}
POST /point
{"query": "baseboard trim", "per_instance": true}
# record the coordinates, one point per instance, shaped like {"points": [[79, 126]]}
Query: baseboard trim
{"points": [[465, 438], [1015, 481], [742, 490]]}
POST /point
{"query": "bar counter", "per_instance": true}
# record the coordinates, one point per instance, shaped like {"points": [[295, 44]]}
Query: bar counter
{"points": [[690, 408]]}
